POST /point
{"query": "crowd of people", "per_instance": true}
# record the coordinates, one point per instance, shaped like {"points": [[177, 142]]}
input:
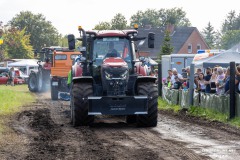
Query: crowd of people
{"points": [[212, 80]]}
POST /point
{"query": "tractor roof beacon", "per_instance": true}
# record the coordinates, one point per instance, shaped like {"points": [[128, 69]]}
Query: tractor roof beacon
{"points": [[110, 80]]}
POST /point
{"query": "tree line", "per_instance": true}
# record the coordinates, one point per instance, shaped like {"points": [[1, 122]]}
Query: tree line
{"points": [[27, 33]]}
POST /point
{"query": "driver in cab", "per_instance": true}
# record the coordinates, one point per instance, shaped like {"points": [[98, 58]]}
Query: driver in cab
{"points": [[112, 52]]}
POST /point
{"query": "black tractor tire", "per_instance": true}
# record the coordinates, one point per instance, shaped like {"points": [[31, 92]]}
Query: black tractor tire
{"points": [[71, 109], [46, 83], [130, 119], [150, 119], [54, 93], [40, 80], [80, 93], [33, 82]]}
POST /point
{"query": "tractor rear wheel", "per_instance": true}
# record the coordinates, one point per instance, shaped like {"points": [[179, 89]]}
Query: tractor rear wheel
{"points": [[150, 119], [40, 80], [33, 82], [80, 93]]}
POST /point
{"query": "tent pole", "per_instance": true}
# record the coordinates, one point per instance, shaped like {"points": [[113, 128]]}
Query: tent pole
{"points": [[191, 84], [232, 90]]}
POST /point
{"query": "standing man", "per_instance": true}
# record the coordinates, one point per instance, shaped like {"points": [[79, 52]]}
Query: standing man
{"points": [[207, 79], [175, 74], [12, 76]]}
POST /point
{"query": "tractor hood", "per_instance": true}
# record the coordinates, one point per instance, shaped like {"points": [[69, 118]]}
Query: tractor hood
{"points": [[114, 62]]}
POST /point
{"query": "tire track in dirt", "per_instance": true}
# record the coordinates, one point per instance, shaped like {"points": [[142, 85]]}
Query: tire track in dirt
{"points": [[44, 132], [164, 148], [122, 144], [80, 142], [50, 135]]}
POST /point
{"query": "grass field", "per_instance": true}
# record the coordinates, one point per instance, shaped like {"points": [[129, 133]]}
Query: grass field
{"points": [[12, 98]]}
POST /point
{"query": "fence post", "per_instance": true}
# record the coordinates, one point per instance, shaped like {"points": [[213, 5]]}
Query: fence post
{"points": [[191, 84], [160, 79], [232, 90]]}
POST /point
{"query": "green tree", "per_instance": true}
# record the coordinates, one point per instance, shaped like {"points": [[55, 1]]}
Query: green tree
{"points": [[148, 17], [175, 16], [232, 22], [166, 48], [40, 30], [230, 38], [103, 26], [159, 18], [209, 35], [63, 41], [119, 22], [17, 44]]}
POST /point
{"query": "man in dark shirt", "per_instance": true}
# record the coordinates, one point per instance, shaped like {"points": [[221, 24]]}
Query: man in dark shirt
{"points": [[207, 79], [112, 52], [177, 84]]}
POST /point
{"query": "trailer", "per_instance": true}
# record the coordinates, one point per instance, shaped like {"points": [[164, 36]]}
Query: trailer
{"points": [[178, 61]]}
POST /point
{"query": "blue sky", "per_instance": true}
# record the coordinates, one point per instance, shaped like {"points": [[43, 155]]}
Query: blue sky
{"points": [[66, 15]]}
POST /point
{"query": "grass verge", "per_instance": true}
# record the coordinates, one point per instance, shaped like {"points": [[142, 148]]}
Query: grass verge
{"points": [[12, 98], [200, 112]]}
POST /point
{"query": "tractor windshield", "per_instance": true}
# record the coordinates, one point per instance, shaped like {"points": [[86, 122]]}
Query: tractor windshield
{"points": [[112, 47]]}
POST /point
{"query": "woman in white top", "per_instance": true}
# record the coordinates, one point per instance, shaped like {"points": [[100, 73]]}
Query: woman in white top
{"points": [[201, 82]]}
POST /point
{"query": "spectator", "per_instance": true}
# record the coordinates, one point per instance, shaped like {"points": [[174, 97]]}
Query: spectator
{"points": [[227, 79], [199, 70], [169, 82], [184, 86], [177, 84], [196, 79], [184, 74], [201, 82], [174, 74], [207, 79], [237, 79], [170, 73], [220, 81], [213, 80], [12, 76]]}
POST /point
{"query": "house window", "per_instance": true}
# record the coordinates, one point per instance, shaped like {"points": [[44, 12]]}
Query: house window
{"points": [[189, 48], [199, 46]]}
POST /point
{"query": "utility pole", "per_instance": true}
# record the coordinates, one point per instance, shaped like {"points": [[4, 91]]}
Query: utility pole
{"points": [[1, 44]]}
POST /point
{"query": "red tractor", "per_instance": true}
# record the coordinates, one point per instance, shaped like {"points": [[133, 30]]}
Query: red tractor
{"points": [[39, 79], [52, 73], [110, 80]]}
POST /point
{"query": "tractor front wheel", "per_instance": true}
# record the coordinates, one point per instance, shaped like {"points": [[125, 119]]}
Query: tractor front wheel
{"points": [[80, 94], [150, 119]]}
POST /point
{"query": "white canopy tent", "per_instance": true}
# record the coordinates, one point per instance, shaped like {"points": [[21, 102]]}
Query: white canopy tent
{"points": [[28, 63]]}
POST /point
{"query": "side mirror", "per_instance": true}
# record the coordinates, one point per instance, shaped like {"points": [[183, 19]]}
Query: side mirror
{"points": [[71, 41], [151, 38]]}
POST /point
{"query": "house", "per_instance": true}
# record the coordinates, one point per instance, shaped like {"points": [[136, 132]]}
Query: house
{"points": [[183, 39]]}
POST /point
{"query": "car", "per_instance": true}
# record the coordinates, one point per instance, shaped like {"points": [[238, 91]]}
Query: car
{"points": [[4, 76]]}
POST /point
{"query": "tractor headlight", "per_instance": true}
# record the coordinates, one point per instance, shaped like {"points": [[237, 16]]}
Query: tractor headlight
{"points": [[108, 75], [124, 75]]}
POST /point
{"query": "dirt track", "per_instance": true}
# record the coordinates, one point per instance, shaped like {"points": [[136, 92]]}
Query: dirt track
{"points": [[45, 132]]}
